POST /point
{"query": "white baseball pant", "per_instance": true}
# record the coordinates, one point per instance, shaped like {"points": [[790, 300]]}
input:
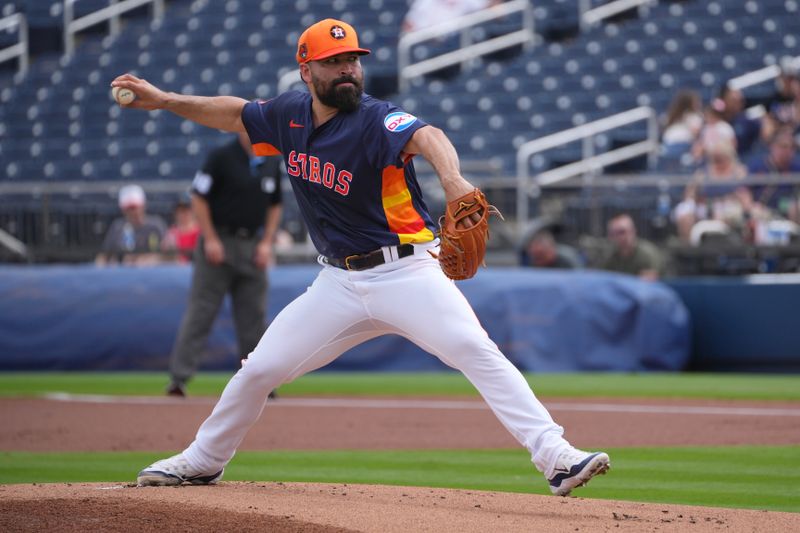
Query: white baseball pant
{"points": [[410, 297]]}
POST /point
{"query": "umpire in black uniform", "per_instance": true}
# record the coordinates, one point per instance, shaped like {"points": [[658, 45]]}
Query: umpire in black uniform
{"points": [[236, 198]]}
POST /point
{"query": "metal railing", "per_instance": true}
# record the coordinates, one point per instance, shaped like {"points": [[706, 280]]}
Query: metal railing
{"points": [[20, 49], [763, 74], [66, 221], [590, 163], [590, 16], [13, 245], [468, 50], [759, 76], [112, 14]]}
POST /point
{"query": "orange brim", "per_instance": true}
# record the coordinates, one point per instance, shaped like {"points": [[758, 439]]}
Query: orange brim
{"points": [[336, 51]]}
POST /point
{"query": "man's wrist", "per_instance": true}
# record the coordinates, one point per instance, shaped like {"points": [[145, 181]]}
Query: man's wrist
{"points": [[170, 100]]}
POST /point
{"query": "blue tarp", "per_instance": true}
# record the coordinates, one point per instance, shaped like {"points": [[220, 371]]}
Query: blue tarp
{"points": [[88, 318]]}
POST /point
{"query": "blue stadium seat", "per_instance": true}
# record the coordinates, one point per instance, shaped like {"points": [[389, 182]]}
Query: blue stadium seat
{"points": [[208, 47]]}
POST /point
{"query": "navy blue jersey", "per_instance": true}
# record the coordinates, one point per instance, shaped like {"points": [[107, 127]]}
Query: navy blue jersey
{"points": [[354, 189], [239, 189]]}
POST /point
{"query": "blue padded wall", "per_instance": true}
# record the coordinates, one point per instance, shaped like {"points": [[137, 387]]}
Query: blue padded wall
{"points": [[88, 318]]}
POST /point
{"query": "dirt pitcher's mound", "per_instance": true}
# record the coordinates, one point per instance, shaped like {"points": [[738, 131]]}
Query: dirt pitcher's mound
{"points": [[316, 508]]}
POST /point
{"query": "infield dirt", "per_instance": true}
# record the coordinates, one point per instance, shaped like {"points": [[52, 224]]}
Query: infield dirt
{"points": [[167, 424]]}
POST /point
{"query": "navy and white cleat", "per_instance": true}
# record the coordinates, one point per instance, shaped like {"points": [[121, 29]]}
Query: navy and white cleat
{"points": [[574, 468], [174, 471]]}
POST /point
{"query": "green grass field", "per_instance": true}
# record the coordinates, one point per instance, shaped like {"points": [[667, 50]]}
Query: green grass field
{"points": [[764, 477], [741, 477], [651, 385]]}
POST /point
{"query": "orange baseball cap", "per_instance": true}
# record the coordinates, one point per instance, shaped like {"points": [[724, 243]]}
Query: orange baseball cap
{"points": [[327, 38]]}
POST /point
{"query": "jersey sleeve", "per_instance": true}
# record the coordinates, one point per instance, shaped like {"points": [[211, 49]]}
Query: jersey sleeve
{"points": [[277, 194], [203, 181], [389, 131], [259, 119], [271, 183]]}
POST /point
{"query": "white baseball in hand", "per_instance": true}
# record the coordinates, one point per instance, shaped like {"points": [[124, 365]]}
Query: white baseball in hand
{"points": [[123, 96]]}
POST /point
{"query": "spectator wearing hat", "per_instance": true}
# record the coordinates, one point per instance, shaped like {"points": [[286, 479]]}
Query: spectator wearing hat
{"points": [[135, 238]]}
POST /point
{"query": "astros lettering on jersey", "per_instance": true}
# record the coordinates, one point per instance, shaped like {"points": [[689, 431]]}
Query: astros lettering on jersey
{"points": [[346, 186]]}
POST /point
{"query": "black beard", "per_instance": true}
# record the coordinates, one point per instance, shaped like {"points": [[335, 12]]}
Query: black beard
{"points": [[345, 99]]}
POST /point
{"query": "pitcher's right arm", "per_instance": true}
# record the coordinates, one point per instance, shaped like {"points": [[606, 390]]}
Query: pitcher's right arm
{"points": [[218, 112]]}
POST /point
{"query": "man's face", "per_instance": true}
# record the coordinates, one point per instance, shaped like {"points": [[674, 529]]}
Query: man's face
{"points": [[542, 252], [734, 102], [622, 233], [782, 151], [338, 81], [134, 213]]}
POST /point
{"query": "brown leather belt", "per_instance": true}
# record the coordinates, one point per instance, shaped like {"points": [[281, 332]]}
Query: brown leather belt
{"points": [[368, 260]]}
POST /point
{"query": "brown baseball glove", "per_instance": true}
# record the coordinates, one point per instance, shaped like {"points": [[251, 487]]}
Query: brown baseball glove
{"points": [[463, 243]]}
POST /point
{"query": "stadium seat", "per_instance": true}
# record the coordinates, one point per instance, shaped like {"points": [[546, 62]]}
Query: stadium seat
{"points": [[232, 47]]}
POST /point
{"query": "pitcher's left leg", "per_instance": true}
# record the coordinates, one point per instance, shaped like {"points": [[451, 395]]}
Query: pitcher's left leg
{"points": [[447, 327]]}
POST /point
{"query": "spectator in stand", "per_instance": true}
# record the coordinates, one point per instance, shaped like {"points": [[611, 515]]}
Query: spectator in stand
{"points": [[781, 160], [135, 238], [715, 131], [181, 237], [748, 130], [682, 127], [722, 164], [784, 111], [781, 157], [628, 253], [425, 13], [716, 193], [542, 251]]}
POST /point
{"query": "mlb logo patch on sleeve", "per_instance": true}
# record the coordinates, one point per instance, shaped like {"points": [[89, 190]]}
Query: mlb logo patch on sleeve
{"points": [[398, 121]]}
